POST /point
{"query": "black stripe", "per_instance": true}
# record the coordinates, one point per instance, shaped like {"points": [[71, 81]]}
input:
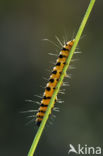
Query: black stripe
{"points": [[51, 80], [41, 111], [43, 105], [39, 116], [48, 88], [61, 56], [58, 63], [54, 72], [44, 97], [65, 49]]}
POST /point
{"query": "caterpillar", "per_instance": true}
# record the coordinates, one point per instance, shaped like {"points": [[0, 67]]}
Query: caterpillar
{"points": [[53, 80]]}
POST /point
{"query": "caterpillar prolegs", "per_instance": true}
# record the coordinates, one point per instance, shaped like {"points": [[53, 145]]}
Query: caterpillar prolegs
{"points": [[53, 80]]}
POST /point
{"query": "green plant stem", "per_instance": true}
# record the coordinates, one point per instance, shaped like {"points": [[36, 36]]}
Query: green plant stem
{"points": [[77, 38]]}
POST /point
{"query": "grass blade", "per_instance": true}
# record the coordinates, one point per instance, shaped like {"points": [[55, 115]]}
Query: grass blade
{"points": [[77, 38]]}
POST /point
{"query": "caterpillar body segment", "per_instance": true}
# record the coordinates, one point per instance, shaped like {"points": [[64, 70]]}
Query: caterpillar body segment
{"points": [[53, 80]]}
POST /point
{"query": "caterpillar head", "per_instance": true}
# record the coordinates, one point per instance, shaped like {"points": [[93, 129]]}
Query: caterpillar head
{"points": [[69, 44]]}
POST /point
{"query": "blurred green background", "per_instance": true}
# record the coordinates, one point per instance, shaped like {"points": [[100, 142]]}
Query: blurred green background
{"points": [[24, 61]]}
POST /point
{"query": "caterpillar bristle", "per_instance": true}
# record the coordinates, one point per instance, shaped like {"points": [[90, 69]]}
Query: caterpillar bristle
{"points": [[59, 41], [31, 116], [38, 103], [68, 76], [51, 42], [38, 96], [56, 109], [66, 84], [54, 116], [52, 54], [77, 52], [30, 101], [71, 67], [29, 122], [29, 111], [64, 40], [45, 78], [74, 60], [61, 92], [52, 63], [60, 101]]}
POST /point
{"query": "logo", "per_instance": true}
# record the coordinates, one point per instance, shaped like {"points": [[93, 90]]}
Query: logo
{"points": [[85, 150]]}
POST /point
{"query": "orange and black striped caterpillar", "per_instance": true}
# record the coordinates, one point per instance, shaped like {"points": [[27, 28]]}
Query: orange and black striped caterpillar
{"points": [[53, 80]]}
